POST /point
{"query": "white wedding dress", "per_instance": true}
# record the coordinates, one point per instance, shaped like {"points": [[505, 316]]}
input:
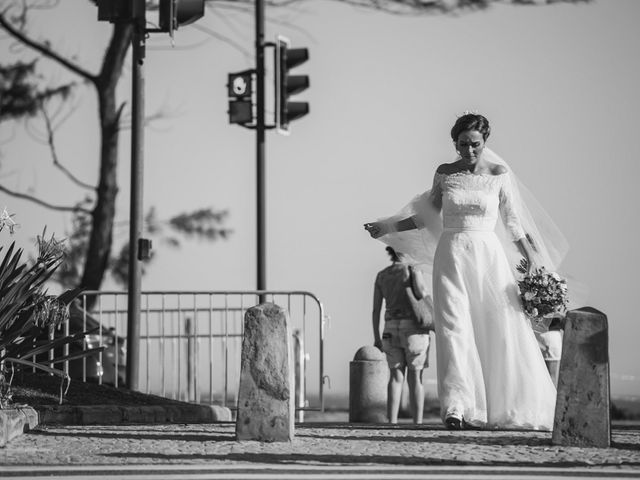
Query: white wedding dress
{"points": [[490, 369]]}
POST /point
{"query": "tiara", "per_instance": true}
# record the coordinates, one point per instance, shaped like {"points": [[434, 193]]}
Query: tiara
{"points": [[468, 112]]}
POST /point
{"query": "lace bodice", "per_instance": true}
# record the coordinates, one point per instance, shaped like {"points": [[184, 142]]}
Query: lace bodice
{"points": [[474, 202]]}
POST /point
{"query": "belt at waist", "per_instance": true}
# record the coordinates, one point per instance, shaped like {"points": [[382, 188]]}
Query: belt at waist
{"points": [[478, 228], [398, 314]]}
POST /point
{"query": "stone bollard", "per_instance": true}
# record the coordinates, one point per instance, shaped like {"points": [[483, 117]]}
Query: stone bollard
{"points": [[368, 378], [266, 394], [582, 416]]}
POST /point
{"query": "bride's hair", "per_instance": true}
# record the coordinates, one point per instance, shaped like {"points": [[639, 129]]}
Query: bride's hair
{"points": [[392, 253], [471, 121]]}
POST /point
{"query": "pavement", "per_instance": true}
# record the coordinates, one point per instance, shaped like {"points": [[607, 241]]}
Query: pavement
{"points": [[330, 449]]}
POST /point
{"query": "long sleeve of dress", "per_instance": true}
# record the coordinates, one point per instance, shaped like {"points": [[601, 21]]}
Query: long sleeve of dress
{"points": [[508, 212], [436, 191], [419, 244], [425, 208]]}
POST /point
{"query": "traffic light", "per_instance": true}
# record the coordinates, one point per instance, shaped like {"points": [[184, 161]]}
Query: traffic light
{"points": [[114, 11], [175, 13], [239, 90], [287, 85]]}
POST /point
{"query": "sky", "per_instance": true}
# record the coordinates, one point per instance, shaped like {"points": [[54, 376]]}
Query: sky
{"points": [[558, 84]]}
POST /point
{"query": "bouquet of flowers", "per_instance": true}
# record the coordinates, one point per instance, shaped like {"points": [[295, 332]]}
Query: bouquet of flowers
{"points": [[543, 293]]}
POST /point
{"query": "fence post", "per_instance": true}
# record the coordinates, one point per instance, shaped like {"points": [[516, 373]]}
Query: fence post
{"points": [[300, 364], [188, 330]]}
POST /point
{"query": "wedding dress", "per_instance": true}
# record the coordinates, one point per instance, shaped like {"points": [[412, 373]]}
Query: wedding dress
{"points": [[490, 369]]}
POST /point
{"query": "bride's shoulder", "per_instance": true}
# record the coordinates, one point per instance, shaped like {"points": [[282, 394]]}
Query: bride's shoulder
{"points": [[448, 168], [498, 169]]}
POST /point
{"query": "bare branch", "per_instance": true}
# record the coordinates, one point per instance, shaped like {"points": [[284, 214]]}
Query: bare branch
{"points": [[224, 19], [224, 39], [400, 7], [120, 111], [54, 153], [149, 120], [70, 110], [178, 47], [242, 32], [44, 49], [42, 203]]}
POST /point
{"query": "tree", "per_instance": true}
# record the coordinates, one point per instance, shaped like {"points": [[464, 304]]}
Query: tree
{"points": [[91, 239], [21, 96]]}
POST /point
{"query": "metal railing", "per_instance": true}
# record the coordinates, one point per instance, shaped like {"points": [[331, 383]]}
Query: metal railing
{"points": [[190, 342]]}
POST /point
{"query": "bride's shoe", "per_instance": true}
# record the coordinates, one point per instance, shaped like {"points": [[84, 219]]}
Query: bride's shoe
{"points": [[453, 423]]}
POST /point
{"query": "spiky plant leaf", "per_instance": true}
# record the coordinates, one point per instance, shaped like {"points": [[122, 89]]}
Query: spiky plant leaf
{"points": [[74, 356]]}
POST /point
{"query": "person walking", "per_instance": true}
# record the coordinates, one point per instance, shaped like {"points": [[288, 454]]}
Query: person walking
{"points": [[404, 341]]}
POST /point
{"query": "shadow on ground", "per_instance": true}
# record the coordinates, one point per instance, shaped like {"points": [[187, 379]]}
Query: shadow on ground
{"points": [[331, 459]]}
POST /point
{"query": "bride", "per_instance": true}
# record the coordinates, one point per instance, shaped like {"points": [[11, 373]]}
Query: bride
{"points": [[491, 373]]}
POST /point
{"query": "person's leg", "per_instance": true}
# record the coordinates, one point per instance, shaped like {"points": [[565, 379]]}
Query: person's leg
{"points": [[395, 359], [416, 394], [416, 348], [394, 392]]}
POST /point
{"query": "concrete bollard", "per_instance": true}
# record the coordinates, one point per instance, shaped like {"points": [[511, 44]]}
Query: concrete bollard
{"points": [[582, 417], [368, 378], [266, 394]]}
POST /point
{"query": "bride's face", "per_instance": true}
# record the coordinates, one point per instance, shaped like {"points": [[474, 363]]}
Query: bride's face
{"points": [[470, 145]]}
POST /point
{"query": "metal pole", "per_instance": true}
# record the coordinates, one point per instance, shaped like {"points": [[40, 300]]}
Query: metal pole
{"points": [[135, 215], [260, 149], [188, 330]]}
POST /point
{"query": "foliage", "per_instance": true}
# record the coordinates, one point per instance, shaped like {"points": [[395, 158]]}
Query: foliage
{"points": [[23, 94], [205, 223], [29, 316], [20, 95]]}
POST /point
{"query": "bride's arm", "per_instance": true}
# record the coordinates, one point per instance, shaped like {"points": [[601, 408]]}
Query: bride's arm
{"points": [[378, 229], [431, 201], [511, 221], [527, 252]]}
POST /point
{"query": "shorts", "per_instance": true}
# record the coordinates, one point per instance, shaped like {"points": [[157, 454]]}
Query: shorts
{"points": [[405, 345]]}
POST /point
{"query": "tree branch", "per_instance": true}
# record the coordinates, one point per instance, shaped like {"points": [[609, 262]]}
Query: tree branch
{"points": [[54, 154], [42, 203], [44, 50], [224, 39], [399, 7]]}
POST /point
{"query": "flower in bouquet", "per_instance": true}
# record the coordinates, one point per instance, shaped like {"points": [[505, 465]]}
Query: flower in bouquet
{"points": [[543, 293]]}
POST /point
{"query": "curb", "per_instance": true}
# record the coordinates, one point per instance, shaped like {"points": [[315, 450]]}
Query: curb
{"points": [[16, 421], [119, 414]]}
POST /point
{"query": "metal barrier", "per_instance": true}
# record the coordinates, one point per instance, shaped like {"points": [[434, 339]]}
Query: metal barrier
{"points": [[190, 342]]}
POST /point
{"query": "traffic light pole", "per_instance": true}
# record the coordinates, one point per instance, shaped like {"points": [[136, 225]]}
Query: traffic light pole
{"points": [[260, 150], [135, 215]]}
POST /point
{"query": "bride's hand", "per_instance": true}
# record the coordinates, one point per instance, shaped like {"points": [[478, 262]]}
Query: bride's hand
{"points": [[376, 229], [531, 267]]}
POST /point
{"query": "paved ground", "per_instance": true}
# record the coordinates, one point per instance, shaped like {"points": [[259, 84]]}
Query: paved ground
{"points": [[332, 448], [310, 472]]}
